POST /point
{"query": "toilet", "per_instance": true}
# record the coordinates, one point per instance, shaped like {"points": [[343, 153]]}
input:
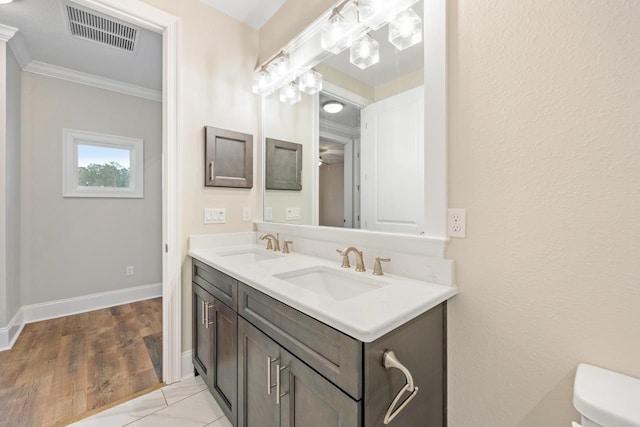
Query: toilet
{"points": [[605, 398]]}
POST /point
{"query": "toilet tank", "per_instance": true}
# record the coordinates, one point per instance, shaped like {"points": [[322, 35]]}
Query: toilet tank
{"points": [[607, 398]]}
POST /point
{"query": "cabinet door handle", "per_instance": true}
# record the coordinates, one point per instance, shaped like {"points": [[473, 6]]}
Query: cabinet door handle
{"points": [[279, 369], [202, 311], [211, 171], [207, 307], [389, 360], [269, 363]]}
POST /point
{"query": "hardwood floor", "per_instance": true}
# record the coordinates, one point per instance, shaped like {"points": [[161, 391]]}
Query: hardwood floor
{"points": [[61, 368]]}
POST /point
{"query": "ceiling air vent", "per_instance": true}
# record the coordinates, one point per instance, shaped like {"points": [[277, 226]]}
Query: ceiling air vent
{"points": [[101, 29]]}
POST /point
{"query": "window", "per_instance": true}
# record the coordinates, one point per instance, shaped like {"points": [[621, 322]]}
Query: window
{"points": [[98, 165]]}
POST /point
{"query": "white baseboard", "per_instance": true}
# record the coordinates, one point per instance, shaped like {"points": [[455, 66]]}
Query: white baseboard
{"points": [[10, 333], [187, 364], [66, 307]]}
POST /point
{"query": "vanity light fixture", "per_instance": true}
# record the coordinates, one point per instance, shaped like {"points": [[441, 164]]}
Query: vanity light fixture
{"points": [[405, 29], [310, 82], [262, 82], [280, 66], [365, 52], [290, 94], [333, 107], [335, 34]]}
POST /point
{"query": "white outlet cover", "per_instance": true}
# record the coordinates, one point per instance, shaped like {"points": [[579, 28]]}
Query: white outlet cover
{"points": [[246, 214], [268, 213], [457, 222]]}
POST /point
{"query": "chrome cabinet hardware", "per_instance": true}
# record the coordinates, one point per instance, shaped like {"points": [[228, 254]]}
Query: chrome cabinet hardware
{"points": [[273, 242], [285, 249], [377, 267], [279, 370], [345, 258], [389, 360], [202, 311], [269, 363], [205, 314], [211, 177]]}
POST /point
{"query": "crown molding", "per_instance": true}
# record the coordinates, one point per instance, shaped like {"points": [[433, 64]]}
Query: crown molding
{"points": [[338, 127], [62, 73], [6, 32], [20, 50]]}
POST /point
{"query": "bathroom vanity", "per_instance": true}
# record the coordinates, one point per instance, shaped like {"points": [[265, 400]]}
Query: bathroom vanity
{"points": [[275, 350]]}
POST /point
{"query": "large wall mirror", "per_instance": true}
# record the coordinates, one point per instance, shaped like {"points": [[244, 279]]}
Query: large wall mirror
{"points": [[365, 145]]}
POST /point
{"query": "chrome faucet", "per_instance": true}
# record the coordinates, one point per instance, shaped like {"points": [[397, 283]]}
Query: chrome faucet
{"points": [[345, 258], [273, 241]]}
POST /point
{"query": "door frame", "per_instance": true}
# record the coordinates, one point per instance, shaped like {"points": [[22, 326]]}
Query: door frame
{"points": [[144, 15]]}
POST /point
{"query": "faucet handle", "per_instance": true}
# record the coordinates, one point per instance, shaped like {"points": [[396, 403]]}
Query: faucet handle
{"points": [[268, 238], [377, 267], [285, 249], [345, 259]]}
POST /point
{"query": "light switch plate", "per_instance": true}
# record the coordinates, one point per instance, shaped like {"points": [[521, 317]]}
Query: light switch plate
{"points": [[293, 213], [268, 214], [214, 215], [246, 214]]}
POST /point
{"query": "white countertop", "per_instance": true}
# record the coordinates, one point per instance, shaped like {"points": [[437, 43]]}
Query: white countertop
{"points": [[365, 317]]}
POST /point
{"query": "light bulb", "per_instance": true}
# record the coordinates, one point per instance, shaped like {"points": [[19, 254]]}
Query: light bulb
{"points": [[290, 94]]}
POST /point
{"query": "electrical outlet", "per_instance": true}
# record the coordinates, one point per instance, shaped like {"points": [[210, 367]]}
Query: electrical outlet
{"points": [[457, 222], [268, 213], [129, 270], [246, 214]]}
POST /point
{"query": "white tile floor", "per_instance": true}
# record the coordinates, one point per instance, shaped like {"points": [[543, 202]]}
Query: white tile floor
{"points": [[184, 404]]}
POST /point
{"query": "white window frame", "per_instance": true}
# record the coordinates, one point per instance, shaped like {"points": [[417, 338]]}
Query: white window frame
{"points": [[72, 138]]}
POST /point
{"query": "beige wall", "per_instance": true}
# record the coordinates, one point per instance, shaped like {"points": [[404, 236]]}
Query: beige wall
{"points": [[14, 77], [217, 58], [544, 152], [80, 246], [332, 195]]}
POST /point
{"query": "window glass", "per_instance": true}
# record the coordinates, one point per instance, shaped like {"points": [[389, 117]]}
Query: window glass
{"points": [[103, 166]]}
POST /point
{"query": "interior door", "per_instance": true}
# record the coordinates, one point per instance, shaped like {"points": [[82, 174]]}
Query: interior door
{"points": [[392, 164]]}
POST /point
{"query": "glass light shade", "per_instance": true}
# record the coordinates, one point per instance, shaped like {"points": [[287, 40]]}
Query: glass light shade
{"points": [[5, 1], [280, 67], [290, 94], [405, 29], [375, 13], [310, 82], [365, 52], [336, 34], [261, 84]]}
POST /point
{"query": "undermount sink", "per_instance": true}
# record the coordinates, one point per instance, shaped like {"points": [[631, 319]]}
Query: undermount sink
{"points": [[250, 255], [331, 283]]}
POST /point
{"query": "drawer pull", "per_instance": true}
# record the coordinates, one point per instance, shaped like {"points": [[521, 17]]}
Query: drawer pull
{"points": [[202, 311], [279, 369], [269, 363], [389, 360], [207, 307]]}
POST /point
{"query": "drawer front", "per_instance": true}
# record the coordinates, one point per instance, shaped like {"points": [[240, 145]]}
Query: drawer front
{"points": [[336, 356], [221, 286]]}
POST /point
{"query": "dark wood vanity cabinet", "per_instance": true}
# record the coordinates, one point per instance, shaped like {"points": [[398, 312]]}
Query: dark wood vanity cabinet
{"points": [[293, 370], [215, 337]]}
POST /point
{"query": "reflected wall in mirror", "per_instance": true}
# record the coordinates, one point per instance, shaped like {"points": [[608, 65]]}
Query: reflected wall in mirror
{"points": [[364, 165]]}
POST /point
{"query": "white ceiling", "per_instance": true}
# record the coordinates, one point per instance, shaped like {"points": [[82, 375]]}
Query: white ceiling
{"points": [[254, 13], [43, 31]]}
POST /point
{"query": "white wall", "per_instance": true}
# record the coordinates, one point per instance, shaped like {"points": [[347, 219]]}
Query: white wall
{"points": [[544, 152], [14, 80], [3, 183], [217, 58], [80, 246]]}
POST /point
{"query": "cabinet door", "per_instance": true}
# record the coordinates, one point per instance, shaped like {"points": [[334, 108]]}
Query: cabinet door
{"points": [[202, 334], [310, 400], [224, 322], [257, 361]]}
